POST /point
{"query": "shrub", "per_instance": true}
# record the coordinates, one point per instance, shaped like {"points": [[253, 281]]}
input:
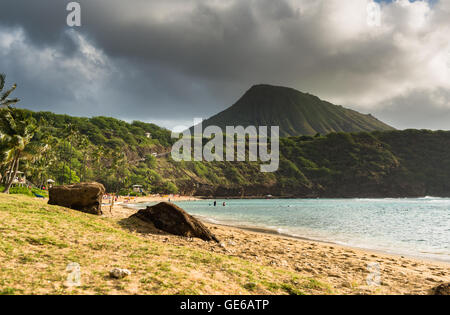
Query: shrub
{"points": [[20, 191]]}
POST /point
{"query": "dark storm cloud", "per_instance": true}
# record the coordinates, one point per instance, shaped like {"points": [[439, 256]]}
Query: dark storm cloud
{"points": [[170, 61], [42, 19]]}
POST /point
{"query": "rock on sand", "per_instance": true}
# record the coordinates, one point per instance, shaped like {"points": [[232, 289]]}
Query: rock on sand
{"points": [[174, 220]]}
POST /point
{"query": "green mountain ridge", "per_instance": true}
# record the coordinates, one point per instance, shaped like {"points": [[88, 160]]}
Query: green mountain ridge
{"points": [[295, 112], [380, 164], [409, 163]]}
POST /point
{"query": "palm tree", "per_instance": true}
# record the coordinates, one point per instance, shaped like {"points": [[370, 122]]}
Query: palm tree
{"points": [[6, 155], [84, 149], [4, 100], [34, 161], [40, 155], [17, 129], [5, 145]]}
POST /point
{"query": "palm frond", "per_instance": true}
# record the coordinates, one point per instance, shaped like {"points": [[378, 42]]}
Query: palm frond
{"points": [[2, 81], [7, 122], [7, 93], [9, 102], [6, 151]]}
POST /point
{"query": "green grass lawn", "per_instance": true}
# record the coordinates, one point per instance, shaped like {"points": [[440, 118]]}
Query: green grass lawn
{"points": [[16, 190], [38, 241]]}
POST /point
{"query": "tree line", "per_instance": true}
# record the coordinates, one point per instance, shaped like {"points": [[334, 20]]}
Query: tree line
{"points": [[64, 149]]}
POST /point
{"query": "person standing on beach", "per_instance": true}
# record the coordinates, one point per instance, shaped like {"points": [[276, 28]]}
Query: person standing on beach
{"points": [[224, 204], [112, 203], [215, 203]]}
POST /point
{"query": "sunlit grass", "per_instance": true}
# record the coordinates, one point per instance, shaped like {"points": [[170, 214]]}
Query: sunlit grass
{"points": [[39, 241]]}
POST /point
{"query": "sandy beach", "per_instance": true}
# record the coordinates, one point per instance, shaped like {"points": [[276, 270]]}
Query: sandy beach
{"points": [[126, 200], [345, 269]]}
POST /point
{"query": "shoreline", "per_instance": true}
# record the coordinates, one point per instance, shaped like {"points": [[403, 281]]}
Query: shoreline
{"points": [[274, 232], [345, 268], [313, 197], [268, 231], [123, 201]]}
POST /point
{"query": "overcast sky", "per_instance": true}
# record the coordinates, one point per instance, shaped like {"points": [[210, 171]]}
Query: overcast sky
{"points": [[168, 61]]}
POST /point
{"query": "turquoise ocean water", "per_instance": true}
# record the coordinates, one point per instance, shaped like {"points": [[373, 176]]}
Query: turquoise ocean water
{"points": [[412, 227]]}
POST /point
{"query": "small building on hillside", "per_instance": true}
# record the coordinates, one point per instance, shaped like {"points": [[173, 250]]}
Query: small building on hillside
{"points": [[137, 188], [20, 179], [50, 183], [148, 135]]}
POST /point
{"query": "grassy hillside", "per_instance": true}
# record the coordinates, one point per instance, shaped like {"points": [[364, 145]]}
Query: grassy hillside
{"points": [[105, 131], [113, 152], [296, 113], [39, 241], [118, 154], [408, 163]]}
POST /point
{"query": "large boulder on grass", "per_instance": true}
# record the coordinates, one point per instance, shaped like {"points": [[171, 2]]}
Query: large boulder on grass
{"points": [[174, 220], [85, 197]]}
